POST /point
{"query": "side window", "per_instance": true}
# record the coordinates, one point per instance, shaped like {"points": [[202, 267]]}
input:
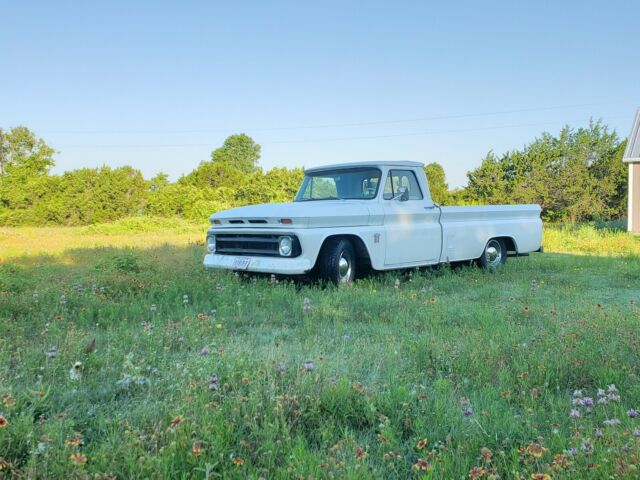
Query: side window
{"points": [[402, 179], [388, 188]]}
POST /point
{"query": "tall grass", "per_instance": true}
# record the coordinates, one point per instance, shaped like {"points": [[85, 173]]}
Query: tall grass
{"points": [[199, 374]]}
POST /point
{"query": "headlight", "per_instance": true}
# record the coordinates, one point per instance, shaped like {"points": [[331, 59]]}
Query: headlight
{"points": [[286, 246], [211, 243]]}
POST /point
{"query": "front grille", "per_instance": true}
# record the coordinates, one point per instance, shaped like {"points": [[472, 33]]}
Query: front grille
{"points": [[260, 245]]}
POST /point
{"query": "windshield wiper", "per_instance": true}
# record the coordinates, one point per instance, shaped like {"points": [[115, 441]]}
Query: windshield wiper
{"points": [[318, 199]]}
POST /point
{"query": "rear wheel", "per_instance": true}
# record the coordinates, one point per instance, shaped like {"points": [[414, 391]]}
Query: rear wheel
{"points": [[494, 254], [337, 261]]}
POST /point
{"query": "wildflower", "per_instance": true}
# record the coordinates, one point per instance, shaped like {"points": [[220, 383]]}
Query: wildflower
{"points": [[577, 393], [360, 453], [345, 337], [78, 458], [613, 397], [196, 449], [603, 401], [421, 444], [536, 450], [213, 382], [598, 433], [601, 392], [3, 422], [272, 279], [63, 300], [540, 476], [525, 309], [586, 446], [636, 432], [422, 464], [153, 308], [631, 413], [282, 368], [572, 452], [612, 422], [238, 461], [185, 299], [245, 381], [467, 411], [73, 441], [433, 300], [308, 366], [476, 472], [175, 421], [75, 373], [204, 351], [306, 305], [397, 283], [8, 400], [36, 296], [181, 339], [486, 454], [587, 402], [575, 413], [561, 461], [612, 389]]}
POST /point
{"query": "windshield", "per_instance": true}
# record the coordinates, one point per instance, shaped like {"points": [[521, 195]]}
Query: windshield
{"points": [[340, 184]]}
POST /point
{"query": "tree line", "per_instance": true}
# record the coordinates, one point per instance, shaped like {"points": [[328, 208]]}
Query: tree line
{"points": [[577, 175]]}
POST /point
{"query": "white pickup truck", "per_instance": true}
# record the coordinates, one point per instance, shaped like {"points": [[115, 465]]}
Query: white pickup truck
{"points": [[351, 217]]}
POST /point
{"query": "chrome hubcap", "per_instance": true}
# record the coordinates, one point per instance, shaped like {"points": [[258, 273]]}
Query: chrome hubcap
{"points": [[344, 268], [493, 253]]}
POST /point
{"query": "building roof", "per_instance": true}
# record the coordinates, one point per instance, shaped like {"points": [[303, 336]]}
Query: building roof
{"points": [[632, 152], [373, 163]]}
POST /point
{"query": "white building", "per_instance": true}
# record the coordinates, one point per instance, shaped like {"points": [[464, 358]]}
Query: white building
{"points": [[632, 157]]}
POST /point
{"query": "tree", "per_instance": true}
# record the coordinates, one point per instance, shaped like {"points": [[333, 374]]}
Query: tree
{"points": [[575, 176], [21, 149], [438, 186], [214, 175], [238, 151]]}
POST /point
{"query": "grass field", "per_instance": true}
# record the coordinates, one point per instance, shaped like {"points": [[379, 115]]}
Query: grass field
{"points": [[441, 374]]}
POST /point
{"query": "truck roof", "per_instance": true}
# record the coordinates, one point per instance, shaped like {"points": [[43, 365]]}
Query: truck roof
{"points": [[392, 163]]}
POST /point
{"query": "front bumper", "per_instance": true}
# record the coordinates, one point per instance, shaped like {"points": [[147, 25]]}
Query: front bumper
{"points": [[280, 265]]}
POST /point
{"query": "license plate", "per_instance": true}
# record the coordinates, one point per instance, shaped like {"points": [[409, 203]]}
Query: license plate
{"points": [[241, 263]]}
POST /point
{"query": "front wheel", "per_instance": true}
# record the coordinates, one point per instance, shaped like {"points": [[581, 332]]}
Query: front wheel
{"points": [[337, 262], [494, 254]]}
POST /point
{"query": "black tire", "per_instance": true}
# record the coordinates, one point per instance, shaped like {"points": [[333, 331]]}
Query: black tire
{"points": [[331, 262], [494, 254]]}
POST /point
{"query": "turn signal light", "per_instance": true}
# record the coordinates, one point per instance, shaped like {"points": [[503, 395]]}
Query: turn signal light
{"points": [[286, 221]]}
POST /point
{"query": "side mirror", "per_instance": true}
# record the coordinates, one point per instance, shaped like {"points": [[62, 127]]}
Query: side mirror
{"points": [[403, 194]]}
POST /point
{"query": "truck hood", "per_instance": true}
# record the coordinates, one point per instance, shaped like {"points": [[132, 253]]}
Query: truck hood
{"points": [[323, 213]]}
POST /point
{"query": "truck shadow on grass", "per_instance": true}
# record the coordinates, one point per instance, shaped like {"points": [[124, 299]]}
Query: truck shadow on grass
{"points": [[143, 267]]}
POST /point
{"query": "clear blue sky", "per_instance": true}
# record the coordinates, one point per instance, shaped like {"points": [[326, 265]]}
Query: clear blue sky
{"points": [[158, 85]]}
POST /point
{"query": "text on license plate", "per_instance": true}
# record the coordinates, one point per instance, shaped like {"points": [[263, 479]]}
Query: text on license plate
{"points": [[241, 263]]}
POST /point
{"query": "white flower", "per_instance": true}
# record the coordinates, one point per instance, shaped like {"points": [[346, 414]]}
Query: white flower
{"points": [[75, 373]]}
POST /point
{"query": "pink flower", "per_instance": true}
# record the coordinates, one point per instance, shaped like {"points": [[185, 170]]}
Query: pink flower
{"points": [[575, 413]]}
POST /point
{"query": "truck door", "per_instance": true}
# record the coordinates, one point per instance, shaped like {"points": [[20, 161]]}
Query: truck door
{"points": [[411, 223]]}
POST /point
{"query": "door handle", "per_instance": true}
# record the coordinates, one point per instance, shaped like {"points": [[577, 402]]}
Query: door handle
{"points": [[430, 207]]}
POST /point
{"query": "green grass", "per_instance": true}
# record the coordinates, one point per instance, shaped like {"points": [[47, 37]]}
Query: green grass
{"points": [[392, 365]]}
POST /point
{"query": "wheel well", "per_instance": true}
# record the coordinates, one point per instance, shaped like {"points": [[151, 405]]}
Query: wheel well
{"points": [[510, 244], [358, 245]]}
